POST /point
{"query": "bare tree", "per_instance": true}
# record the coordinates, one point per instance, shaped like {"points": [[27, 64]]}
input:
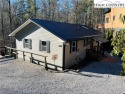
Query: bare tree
{"points": [[73, 11], [1, 18]]}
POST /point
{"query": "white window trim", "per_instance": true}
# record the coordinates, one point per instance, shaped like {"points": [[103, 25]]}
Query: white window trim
{"points": [[47, 46], [27, 47], [72, 46], [43, 46]]}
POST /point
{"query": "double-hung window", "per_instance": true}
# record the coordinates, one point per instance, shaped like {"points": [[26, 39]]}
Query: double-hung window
{"points": [[113, 18], [107, 20], [120, 16], [27, 43], [73, 46], [44, 46], [87, 42]]}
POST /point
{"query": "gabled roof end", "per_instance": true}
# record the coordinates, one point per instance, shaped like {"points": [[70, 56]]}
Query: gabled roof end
{"points": [[20, 27]]}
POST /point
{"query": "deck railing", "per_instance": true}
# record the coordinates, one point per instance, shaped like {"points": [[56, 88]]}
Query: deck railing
{"points": [[95, 52], [14, 53]]}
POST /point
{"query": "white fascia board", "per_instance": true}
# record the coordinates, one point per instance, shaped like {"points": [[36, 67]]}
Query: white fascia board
{"points": [[20, 27]]}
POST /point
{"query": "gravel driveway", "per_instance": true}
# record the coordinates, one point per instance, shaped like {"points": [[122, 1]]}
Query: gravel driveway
{"points": [[19, 77]]}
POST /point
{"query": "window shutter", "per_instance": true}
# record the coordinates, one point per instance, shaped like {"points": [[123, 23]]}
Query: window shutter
{"points": [[30, 44], [48, 46], [23, 43], [40, 45]]}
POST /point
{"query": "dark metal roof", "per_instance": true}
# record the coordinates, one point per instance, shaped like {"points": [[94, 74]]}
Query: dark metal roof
{"points": [[67, 31]]}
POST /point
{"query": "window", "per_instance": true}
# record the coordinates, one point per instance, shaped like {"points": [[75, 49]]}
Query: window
{"points": [[73, 46], [87, 42], [113, 18], [27, 43], [44, 46], [120, 16], [107, 20]]}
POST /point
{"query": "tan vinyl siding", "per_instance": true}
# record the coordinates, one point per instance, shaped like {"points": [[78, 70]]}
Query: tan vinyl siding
{"points": [[71, 58], [36, 33]]}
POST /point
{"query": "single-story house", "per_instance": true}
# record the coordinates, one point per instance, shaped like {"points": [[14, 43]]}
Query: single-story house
{"points": [[64, 44]]}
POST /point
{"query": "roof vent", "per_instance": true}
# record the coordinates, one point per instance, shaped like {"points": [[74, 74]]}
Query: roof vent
{"points": [[84, 27]]}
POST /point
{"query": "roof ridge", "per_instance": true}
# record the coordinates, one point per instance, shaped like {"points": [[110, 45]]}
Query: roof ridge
{"points": [[59, 22]]}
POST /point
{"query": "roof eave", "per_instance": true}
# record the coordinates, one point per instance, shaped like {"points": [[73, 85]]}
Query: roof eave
{"points": [[19, 28], [94, 35], [25, 24], [75, 39]]}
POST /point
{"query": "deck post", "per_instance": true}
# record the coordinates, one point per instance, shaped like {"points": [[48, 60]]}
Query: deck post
{"points": [[46, 64], [23, 56], [56, 68], [98, 49], [31, 59], [38, 63], [5, 50], [16, 55], [11, 52]]}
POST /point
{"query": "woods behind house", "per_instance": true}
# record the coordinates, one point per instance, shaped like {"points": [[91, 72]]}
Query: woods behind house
{"points": [[14, 12]]}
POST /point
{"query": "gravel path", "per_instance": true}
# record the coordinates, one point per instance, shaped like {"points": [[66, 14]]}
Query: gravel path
{"points": [[19, 77]]}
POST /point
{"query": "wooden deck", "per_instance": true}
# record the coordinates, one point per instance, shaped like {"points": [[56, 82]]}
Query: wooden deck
{"points": [[95, 53]]}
